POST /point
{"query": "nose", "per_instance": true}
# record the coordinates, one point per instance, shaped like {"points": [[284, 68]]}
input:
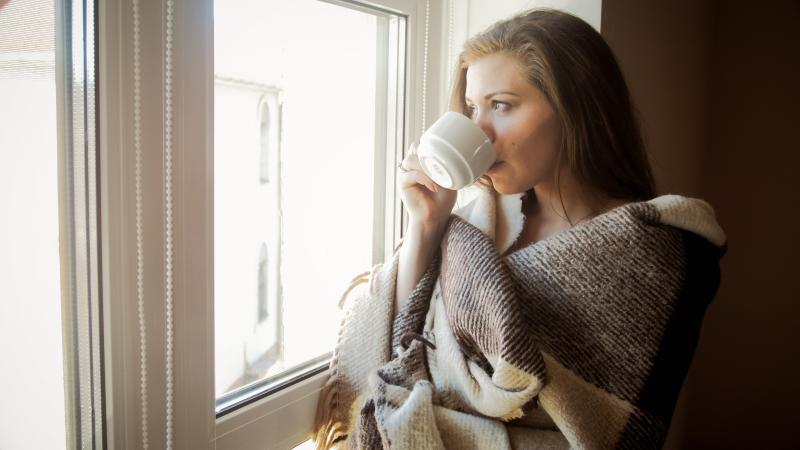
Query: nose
{"points": [[484, 122]]}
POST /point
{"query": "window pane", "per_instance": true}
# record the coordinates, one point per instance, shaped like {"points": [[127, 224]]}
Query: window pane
{"points": [[32, 378], [294, 163]]}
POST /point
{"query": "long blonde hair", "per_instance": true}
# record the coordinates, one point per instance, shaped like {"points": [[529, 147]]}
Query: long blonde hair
{"points": [[566, 59]]}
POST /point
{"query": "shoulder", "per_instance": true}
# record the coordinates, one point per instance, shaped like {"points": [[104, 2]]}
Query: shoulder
{"points": [[666, 218], [671, 241], [630, 248]]}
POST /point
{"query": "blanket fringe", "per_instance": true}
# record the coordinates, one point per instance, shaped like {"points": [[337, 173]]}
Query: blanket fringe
{"points": [[327, 428], [360, 278], [329, 425]]}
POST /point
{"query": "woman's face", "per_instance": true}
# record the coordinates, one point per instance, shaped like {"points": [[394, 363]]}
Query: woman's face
{"points": [[518, 120]]}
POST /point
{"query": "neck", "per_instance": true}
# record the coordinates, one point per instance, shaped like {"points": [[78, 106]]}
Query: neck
{"points": [[574, 204]]}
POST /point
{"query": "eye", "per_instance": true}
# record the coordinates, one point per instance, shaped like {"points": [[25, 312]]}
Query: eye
{"points": [[501, 106]]}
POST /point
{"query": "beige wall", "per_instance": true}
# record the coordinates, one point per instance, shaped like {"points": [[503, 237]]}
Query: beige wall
{"points": [[717, 87], [663, 49]]}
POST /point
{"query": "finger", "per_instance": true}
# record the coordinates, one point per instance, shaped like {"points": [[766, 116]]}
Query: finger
{"points": [[417, 177], [411, 162], [412, 149]]}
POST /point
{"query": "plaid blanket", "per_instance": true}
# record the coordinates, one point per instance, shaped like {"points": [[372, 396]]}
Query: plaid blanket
{"points": [[581, 340]]}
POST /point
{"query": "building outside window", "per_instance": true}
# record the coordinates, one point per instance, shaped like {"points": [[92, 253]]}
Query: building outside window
{"points": [[247, 230], [294, 168]]}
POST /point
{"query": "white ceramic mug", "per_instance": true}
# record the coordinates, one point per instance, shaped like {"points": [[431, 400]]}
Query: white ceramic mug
{"points": [[454, 151]]}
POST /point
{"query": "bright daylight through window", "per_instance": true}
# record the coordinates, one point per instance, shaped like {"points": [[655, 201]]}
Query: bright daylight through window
{"points": [[296, 92], [32, 377]]}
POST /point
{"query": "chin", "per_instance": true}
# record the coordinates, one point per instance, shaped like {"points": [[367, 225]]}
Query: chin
{"points": [[505, 188]]}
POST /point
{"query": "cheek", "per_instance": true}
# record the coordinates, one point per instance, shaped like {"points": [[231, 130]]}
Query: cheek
{"points": [[511, 137], [527, 139], [542, 142]]}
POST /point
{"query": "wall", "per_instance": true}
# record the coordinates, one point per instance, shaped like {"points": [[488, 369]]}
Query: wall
{"points": [[716, 84], [663, 49], [481, 14]]}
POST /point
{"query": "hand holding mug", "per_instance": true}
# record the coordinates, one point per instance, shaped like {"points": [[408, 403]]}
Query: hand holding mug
{"points": [[427, 203], [454, 151]]}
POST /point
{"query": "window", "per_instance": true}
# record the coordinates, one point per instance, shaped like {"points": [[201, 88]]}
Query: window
{"points": [[32, 378], [266, 145], [247, 231], [48, 123], [263, 284], [314, 204], [267, 165]]}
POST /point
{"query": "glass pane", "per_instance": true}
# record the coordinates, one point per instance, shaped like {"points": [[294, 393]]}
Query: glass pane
{"points": [[294, 163], [32, 378]]}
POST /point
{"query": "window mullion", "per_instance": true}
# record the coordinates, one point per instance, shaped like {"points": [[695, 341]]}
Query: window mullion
{"points": [[136, 421], [82, 331]]}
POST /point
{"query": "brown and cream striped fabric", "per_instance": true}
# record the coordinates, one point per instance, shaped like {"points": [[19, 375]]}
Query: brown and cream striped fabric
{"points": [[581, 340]]}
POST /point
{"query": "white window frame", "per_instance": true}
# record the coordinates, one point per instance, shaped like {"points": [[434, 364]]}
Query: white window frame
{"points": [[280, 420]]}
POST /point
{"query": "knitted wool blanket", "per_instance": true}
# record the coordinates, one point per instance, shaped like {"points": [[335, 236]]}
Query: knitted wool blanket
{"points": [[581, 340]]}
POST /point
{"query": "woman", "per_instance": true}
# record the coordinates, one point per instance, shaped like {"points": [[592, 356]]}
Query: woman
{"points": [[561, 307]]}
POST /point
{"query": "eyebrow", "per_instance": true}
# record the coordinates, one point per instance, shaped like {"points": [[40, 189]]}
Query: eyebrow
{"points": [[492, 94]]}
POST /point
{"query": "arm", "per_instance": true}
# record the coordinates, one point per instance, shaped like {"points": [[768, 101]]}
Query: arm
{"points": [[429, 207], [416, 253]]}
